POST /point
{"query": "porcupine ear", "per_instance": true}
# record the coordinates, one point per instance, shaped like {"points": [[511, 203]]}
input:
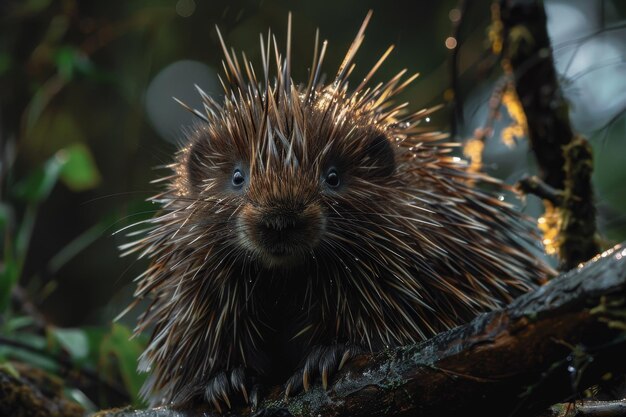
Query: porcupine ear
{"points": [[379, 156], [194, 163]]}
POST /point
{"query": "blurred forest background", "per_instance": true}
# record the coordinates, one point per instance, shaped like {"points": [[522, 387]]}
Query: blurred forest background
{"points": [[86, 114]]}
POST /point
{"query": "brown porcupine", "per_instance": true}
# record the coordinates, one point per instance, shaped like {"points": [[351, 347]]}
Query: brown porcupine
{"points": [[304, 223]]}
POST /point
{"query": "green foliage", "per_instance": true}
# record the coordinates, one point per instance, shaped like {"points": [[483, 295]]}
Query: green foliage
{"points": [[5, 213], [108, 352], [72, 341], [5, 62], [71, 60], [32, 6], [125, 349], [79, 171], [38, 185], [75, 166], [57, 135], [9, 273], [21, 338]]}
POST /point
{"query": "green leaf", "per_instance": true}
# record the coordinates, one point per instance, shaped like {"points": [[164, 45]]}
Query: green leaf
{"points": [[80, 397], [31, 6], [36, 342], [5, 216], [70, 60], [79, 172], [5, 62], [9, 273], [8, 368], [38, 186], [74, 341], [24, 233], [74, 165], [64, 59], [126, 350], [95, 336], [14, 324]]}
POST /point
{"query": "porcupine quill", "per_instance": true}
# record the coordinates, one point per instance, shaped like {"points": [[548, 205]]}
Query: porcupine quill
{"points": [[303, 223]]}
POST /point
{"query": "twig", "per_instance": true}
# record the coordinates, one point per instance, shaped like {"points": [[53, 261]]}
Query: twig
{"points": [[534, 185], [589, 409]]}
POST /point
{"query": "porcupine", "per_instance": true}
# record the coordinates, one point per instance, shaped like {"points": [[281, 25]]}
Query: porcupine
{"points": [[303, 223]]}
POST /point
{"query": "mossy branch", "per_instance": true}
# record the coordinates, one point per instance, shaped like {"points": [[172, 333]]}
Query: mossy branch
{"points": [[545, 347]]}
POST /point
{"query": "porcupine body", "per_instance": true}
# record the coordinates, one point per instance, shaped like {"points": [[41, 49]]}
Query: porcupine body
{"points": [[304, 223]]}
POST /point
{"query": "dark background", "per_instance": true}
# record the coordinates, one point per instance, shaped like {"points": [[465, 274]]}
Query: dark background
{"points": [[99, 75]]}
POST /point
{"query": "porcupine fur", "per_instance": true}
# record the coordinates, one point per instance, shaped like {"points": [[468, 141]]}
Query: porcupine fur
{"points": [[303, 223]]}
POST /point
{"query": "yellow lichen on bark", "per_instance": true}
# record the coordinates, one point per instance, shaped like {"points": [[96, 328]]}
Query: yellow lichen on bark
{"points": [[550, 225], [494, 32], [518, 128], [473, 150]]}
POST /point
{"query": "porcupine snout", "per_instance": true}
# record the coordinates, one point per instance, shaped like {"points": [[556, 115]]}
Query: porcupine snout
{"points": [[284, 234]]}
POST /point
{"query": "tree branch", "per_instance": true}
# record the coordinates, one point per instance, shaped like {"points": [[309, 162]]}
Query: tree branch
{"points": [[588, 409], [544, 348], [534, 185]]}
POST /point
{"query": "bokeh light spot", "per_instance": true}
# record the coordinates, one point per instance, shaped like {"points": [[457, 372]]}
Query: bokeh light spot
{"points": [[454, 15], [185, 8], [451, 42]]}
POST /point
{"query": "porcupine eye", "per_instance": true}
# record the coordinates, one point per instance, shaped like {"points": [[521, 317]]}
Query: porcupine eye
{"points": [[238, 178], [332, 178]]}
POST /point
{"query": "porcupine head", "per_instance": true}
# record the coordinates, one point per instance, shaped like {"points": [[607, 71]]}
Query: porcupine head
{"points": [[302, 223]]}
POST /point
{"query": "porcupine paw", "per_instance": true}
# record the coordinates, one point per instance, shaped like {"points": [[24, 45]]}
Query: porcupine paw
{"points": [[229, 388], [322, 362]]}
